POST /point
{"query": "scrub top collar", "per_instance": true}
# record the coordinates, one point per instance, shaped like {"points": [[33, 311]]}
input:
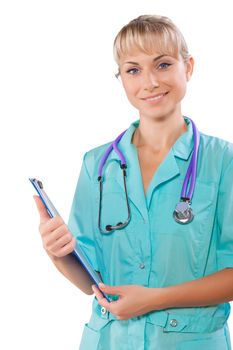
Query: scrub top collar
{"points": [[181, 148], [167, 170]]}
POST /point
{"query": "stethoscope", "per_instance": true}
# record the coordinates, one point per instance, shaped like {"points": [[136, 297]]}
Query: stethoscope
{"points": [[183, 213]]}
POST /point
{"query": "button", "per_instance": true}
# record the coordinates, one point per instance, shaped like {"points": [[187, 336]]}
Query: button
{"points": [[103, 310], [142, 266], [173, 323]]}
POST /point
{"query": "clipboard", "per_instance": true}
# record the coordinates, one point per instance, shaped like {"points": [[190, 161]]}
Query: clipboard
{"points": [[77, 252]]}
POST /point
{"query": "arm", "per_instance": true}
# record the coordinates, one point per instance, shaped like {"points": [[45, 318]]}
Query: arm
{"points": [[137, 300], [58, 244], [210, 290], [74, 272]]}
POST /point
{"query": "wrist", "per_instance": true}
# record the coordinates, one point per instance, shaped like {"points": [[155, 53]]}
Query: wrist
{"points": [[52, 257], [158, 298]]}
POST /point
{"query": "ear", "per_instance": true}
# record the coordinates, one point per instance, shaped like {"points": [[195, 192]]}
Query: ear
{"points": [[189, 68]]}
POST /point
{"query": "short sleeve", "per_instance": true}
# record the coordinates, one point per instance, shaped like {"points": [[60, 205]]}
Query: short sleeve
{"points": [[225, 219], [80, 221]]}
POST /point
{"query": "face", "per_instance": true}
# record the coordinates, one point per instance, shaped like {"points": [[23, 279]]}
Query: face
{"points": [[155, 84]]}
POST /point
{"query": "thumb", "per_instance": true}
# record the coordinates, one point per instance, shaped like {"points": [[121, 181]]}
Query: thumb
{"points": [[110, 289], [44, 216]]}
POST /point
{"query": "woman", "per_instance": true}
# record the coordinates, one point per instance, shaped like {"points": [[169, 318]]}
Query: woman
{"points": [[169, 272]]}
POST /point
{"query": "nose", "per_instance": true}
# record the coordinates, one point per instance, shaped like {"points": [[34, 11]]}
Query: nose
{"points": [[150, 81]]}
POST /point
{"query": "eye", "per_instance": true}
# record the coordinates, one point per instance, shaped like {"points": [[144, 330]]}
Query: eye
{"points": [[164, 65], [132, 70]]}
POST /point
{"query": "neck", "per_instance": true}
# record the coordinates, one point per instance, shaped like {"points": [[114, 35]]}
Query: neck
{"points": [[158, 135]]}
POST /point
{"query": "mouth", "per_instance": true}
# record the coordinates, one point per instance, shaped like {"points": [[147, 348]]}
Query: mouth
{"points": [[155, 97]]}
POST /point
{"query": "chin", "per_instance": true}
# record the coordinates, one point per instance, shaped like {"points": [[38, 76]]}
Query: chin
{"points": [[158, 115]]}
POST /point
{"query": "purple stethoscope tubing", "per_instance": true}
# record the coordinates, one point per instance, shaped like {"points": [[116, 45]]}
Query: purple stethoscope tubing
{"points": [[109, 150], [191, 172], [192, 169]]}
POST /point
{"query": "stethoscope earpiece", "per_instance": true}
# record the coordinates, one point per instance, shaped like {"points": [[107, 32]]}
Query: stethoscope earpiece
{"points": [[110, 228]]}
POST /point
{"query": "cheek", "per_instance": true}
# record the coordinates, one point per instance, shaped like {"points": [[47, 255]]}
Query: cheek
{"points": [[182, 87], [131, 93], [179, 85], [130, 89]]}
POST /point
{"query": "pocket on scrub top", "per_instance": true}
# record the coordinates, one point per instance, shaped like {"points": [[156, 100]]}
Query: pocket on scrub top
{"points": [[90, 338], [202, 206], [207, 341], [186, 245], [91, 333], [219, 343]]}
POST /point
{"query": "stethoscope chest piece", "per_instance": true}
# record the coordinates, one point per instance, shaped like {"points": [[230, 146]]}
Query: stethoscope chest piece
{"points": [[183, 213]]}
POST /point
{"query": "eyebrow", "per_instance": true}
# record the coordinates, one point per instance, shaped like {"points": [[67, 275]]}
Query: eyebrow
{"points": [[154, 60]]}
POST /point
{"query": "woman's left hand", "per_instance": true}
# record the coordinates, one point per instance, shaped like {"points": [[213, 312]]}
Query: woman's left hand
{"points": [[134, 300]]}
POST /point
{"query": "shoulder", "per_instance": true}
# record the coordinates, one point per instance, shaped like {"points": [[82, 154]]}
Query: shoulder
{"points": [[93, 157], [217, 150], [220, 153]]}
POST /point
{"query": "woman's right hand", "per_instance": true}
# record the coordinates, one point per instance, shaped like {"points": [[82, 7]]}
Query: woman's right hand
{"points": [[56, 238]]}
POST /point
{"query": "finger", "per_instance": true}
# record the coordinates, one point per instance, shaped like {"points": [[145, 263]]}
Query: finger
{"points": [[97, 292], [67, 249], [101, 299], [52, 225], [53, 233], [60, 243], [110, 289], [44, 216]]}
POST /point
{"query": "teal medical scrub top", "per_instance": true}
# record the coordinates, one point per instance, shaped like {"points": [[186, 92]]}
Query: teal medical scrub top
{"points": [[153, 250]]}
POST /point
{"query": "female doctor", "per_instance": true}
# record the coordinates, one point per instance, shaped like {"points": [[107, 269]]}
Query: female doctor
{"points": [[154, 214]]}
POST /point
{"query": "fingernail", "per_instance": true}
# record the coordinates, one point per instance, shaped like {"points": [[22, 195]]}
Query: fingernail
{"points": [[101, 285]]}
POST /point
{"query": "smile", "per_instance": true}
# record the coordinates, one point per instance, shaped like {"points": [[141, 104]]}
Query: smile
{"points": [[155, 98]]}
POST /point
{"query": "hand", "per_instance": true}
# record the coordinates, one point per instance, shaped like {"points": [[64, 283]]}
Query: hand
{"points": [[56, 238], [134, 300]]}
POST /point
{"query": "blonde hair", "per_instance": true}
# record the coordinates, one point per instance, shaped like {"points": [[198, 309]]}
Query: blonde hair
{"points": [[149, 33]]}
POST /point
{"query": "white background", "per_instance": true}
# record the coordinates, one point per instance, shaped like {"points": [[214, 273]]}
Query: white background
{"points": [[59, 98]]}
